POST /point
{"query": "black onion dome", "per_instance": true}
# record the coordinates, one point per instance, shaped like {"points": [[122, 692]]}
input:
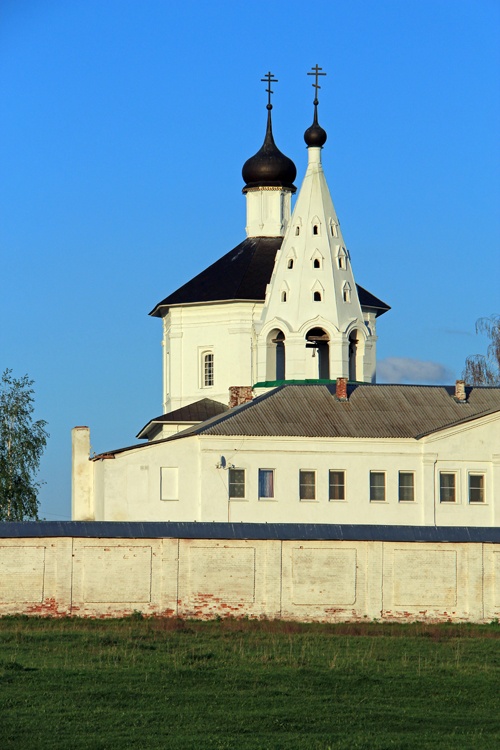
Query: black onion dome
{"points": [[315, 135], [269, 167]]}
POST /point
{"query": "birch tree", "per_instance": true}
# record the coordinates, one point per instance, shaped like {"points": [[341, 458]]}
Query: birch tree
{"points": [[484, 369], [22, 442]]}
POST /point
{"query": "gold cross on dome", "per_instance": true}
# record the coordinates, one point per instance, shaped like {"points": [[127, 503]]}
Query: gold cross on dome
{"points": [[316, 73], [269, 78]]}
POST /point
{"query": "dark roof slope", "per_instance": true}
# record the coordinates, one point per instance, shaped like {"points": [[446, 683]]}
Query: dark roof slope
{"points": [[243, 274], [367, 299], [372, 411], [199, 411], [221, 530]]}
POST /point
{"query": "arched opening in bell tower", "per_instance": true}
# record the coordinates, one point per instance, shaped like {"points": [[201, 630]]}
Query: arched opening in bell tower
{"points": [[275, 362], [319, 341], [356, 350]]}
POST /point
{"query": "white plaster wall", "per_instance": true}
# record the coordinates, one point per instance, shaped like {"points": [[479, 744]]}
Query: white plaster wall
{"points": [[298, 580], [226, 329], [127, 487]]}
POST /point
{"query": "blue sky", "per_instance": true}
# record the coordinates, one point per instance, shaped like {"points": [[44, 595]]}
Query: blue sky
{"points": [[123, 131]]}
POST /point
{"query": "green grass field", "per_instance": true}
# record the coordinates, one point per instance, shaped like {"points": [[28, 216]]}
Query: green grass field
{"points": [[156, 683]]}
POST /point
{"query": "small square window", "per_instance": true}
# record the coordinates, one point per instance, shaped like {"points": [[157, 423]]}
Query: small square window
{"points": [[377, 486], [307, 483], [336, 485], [406, 489], [447, 487], [236, 484], [476, 488], [266, 483]]}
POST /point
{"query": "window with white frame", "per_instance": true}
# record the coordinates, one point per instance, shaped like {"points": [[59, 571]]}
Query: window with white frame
{"points": [[336, 486], [406, 486], [207, 369], [266, 484], [377, 486], [476, 488], [307, 484], [447, 487], [346, 292], [236, 480]]}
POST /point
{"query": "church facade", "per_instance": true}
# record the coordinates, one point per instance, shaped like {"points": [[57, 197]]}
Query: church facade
{"points": [[306, 436], [283, 304]]}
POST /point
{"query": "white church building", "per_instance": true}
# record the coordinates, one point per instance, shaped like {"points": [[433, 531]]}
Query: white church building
{"points": [[271, 411]]}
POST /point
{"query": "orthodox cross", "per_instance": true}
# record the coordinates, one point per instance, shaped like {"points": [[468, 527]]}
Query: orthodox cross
{"points": [[316, 73], [269, 78]]}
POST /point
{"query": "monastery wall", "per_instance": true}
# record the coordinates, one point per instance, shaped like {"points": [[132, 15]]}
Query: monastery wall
{"points": [[337, 579]]}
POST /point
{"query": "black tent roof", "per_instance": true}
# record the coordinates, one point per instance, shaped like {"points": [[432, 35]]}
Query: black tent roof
{"points": [[243, 274]]}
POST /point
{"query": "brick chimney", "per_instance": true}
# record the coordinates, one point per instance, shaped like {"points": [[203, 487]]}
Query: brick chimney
{"points": [[239, 394], [341, 389], [460, 395]]}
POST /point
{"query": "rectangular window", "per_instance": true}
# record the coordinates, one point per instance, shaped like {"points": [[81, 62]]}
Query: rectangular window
{"points": [[169, 483], [208, 370], [406, 492], [336, 485], [476, 488], [447, 487], [307, 484], [236, 484], [377, 485], [266, 483]]}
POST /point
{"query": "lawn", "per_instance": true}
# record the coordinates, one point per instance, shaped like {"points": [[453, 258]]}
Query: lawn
{"points": [[166, 683]]}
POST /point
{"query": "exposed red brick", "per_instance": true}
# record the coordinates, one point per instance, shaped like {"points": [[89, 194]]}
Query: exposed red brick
{"points": [[341, 389], [239, 394]]}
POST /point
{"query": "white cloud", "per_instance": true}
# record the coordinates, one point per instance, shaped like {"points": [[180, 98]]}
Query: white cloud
{"points": [[407, 370]]}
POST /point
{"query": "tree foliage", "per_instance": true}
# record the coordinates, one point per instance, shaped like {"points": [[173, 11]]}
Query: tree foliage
{"points": [[22, 442], [484, 369]]}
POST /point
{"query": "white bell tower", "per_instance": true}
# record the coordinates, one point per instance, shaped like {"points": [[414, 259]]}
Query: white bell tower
{"points": [[312, 325]]}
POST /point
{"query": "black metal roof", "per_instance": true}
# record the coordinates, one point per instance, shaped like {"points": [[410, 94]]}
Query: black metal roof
{"points": [[251, 531], [243, 274], [198, 411]]}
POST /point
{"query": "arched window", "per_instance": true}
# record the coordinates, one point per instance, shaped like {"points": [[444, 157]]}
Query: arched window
{"points": [[341, 258], [346, 292], [207, 369], [297, 231], [290, 262], [333, 230], [315, 229], [283, 296], [316, 263], [317, 296]]}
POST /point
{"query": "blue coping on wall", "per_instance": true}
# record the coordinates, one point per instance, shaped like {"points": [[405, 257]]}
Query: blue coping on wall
{"points": [[277, 531]]}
